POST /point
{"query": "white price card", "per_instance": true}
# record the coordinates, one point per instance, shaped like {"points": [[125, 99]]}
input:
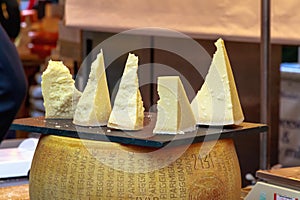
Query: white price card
{"points": [[282, 197]]}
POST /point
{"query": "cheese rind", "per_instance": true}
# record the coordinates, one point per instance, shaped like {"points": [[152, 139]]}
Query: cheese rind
{"points": [[174, 114], [217, 102], [94, 108], [89, 169], [59, 92], [128, 110]]}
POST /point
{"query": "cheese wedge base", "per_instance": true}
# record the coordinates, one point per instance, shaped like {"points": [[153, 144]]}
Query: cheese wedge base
{"points": [[128, 110], [217, 102], [94, 106], [174, 111], [59, 92]]}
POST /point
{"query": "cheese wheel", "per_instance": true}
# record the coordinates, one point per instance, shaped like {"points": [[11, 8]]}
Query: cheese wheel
{"points": [[68, 168]]}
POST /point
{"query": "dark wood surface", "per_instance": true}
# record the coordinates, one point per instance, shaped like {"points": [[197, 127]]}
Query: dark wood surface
{"points": [[144, 137]]}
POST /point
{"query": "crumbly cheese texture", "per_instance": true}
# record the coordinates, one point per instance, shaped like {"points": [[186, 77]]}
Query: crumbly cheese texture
{"points": [[94, 108], [217, 102], [174, 114], [59, 92], [128, 110]]}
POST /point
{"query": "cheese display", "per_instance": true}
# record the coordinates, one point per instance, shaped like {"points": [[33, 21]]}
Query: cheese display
{"points": [[69, 168], [174, 114], [217, 102], [94, 108], [59, 92], [128, 110]]}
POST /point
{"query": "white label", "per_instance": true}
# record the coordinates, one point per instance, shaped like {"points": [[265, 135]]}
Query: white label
{"points": [[282, 197]]}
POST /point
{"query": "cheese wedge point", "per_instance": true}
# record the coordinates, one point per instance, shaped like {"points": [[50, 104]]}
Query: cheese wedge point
{"points": [[128, 110], [94, 108], [174, 114], [217, 102], [59, 92]]}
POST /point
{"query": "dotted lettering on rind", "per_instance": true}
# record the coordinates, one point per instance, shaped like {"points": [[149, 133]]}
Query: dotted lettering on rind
{"points": [[82, 175]]}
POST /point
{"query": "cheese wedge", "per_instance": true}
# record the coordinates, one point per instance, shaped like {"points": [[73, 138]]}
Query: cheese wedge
{"points": [[128, 110], [174, 114], [217, 102], [94, 108], [59, 92]]}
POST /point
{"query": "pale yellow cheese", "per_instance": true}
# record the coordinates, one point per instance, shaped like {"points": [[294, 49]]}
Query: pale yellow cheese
{"points": [[93, 108], [128, 110], [217, 102], [174, 114], [59, 92]]}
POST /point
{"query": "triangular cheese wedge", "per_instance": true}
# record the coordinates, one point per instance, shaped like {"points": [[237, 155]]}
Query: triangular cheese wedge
{"points": [[59, 92], [217, 102], [174, 114], [94, 108], [128, 110]]}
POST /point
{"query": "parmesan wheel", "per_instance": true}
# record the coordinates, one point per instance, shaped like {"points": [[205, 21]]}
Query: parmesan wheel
{"points": [[68, 168]]}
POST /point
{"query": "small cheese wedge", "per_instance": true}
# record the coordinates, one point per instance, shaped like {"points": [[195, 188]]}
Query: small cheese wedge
{"points": [[128, 110], [174, 114], [94, 108], [59, 92], [217, 102]]}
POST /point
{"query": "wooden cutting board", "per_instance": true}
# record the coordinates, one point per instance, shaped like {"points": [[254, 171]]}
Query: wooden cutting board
{"points": [[286, 177], [19, 192]]}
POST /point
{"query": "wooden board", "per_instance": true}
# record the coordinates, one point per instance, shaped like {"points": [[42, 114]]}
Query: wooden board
{"points": [[286, 177], [15, 192], [143, 137]]}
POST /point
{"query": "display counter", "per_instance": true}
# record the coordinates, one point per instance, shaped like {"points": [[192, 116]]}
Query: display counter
{"points": [[237, 22]]}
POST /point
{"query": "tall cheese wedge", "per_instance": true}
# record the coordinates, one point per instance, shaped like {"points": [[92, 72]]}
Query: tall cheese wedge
{"points": [[59, 92], [128, 110], [217, 102], [94, 108], [174, 114]]}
